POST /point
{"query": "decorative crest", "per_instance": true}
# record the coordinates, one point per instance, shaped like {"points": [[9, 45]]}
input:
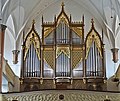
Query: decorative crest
{"points": [[33, 22], [92, 21], [62, 5]]}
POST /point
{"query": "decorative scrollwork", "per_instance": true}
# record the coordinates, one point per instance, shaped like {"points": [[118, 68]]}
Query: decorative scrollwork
{"points": [[32, 38], [93, 37], [65, 50]]}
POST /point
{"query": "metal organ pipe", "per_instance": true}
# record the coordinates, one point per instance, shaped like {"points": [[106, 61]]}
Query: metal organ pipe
{"points": [[27, 63], [64, 39], [90, 61], [94, 62], [62, 61], [65, 34], [35, 64], [32, 59], [94, 59], [61, 33], [66, 65], [32, 63], [63, 65]]}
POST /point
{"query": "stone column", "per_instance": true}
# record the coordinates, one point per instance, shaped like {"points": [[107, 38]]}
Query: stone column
{"points": [[2, 32]]}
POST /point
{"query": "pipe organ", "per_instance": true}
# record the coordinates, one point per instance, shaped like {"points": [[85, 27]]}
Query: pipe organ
{"points": [[62, 58]]}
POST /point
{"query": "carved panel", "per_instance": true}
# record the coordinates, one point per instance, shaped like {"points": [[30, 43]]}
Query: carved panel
{"points": [[49, 58], [48, 84], [77, 56], [78, 84]]}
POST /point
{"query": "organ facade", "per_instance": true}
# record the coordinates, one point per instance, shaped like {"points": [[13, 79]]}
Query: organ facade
{"points": [[63, 58]]}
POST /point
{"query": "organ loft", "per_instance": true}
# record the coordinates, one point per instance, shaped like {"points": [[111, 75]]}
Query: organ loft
{"points": [[63, 58]]}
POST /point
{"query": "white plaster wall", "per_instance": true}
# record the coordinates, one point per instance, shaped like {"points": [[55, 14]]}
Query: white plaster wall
{"points": [[8, 47]]}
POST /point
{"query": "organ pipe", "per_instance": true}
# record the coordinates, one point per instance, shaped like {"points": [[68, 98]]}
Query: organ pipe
{"points": [[32, 63], [63, 67], [94, 62]]}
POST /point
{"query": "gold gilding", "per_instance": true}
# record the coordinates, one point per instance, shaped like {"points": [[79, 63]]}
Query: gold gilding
{"points": [[32, 38], [65, 50], [93, 37], [78, 31], [49, 58], [76, 58], [47, 31]]}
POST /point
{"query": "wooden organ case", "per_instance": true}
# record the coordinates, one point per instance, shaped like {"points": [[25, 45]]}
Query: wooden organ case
{"points": [[62, 59]]}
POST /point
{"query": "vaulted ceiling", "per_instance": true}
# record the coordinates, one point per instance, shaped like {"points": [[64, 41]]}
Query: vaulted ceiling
{"points": [[18, 14], [105, 11]]}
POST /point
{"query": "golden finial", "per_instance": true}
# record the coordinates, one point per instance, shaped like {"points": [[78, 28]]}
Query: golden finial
{"points": [[62, 4], [33, 21], [92, 21]]}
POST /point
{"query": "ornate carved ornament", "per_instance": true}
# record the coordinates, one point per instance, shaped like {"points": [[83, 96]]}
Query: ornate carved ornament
{"points": [[65, 50], [49, 49], [77, 49], [62, 16], [77, 57], [47, 31], [78, 31], [32, 38], [49, 58], [93, 36]]}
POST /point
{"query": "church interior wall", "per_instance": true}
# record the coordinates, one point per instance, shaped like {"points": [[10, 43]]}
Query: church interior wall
{"points": [[76, 11]]}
